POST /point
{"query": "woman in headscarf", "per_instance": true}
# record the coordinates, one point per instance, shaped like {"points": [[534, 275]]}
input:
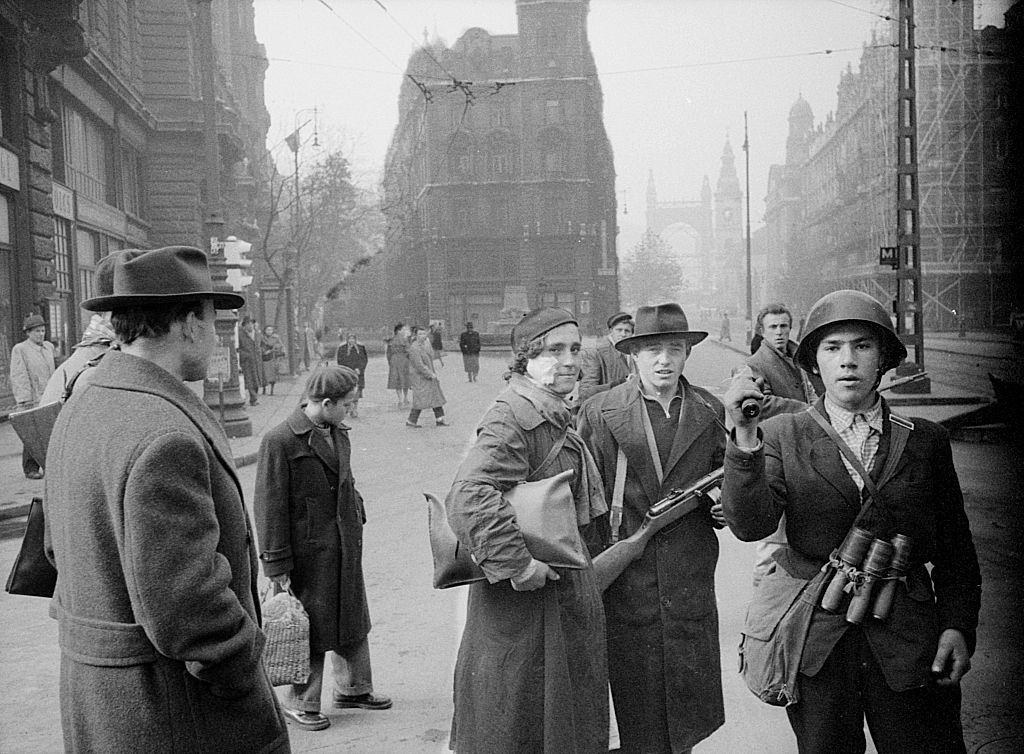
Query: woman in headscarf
{"points": [[532, 671]]}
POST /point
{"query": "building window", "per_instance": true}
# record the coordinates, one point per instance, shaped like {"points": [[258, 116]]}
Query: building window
{"points": [[131, 184], [60, 328], [62, 255], [6, 100], [5, 220], [88, 155], [88, 245], [553, 111]]}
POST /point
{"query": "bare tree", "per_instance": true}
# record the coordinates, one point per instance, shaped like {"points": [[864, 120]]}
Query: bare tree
{"points": [[650, 274]]}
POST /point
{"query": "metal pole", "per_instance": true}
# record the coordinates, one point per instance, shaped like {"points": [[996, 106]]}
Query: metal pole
{"points": [[746, 151]]}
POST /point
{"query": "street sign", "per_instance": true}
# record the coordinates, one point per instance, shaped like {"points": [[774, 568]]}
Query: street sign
{"points": [[220, 363], [889, 255]]}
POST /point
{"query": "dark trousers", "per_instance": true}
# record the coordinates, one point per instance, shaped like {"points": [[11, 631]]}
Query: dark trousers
{"points": [[414, 414], [829, 718]]}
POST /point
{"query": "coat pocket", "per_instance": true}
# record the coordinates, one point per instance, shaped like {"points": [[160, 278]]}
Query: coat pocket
{"points": [[103, 643]]}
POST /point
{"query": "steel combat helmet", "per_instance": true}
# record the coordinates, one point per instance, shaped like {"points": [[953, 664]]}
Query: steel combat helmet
{"points": [[849, 306]]}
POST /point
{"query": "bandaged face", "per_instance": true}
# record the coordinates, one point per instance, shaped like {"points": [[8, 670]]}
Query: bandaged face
{"points": [[557, 366]]}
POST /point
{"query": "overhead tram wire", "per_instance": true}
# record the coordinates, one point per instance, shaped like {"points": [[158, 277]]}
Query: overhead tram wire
{"points": [[883, 16], [425, 48]]}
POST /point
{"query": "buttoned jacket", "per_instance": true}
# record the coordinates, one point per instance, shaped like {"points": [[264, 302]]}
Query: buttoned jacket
{"points": [[603, 367], [31, 367], [798, 471]]}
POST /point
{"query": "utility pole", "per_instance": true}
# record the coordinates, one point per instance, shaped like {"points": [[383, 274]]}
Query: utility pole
{"points": [[746, 151], [909, 303], [220, 388]]}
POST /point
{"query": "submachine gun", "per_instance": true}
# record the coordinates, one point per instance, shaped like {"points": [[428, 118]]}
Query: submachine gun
{"points": [[705, 492]]}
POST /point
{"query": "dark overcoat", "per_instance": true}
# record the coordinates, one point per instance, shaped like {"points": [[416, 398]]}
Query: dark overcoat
{"points": [[156, 599], [531, 673], [398, 363], [426, 390], [250, 361], [309, 518], [354, 358], [602, 368], [663, 652], [799, 471]]}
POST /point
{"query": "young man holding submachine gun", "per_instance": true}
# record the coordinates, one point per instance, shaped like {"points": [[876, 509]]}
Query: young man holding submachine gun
{"points": [[873, 498]]}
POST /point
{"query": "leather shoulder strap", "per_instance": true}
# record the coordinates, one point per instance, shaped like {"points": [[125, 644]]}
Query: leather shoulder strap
{"points": [[850, 455]]}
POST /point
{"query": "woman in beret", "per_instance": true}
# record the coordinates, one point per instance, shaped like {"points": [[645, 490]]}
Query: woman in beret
{"points": [[531, 673]]}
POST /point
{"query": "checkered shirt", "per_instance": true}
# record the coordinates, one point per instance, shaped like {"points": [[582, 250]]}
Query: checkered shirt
{"points": [[861, 432]]}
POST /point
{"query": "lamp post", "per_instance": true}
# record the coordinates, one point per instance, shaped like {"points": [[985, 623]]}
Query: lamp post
{"points": [[220, 388], [746, 152], [294, 142]]}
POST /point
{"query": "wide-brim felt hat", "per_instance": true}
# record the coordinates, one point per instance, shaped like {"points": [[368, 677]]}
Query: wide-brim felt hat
{"points": [[32, 321], [169, 275], [661, 321]]}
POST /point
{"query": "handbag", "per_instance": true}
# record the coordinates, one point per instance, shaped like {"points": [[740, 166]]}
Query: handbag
{"points": [[546, 516], [33, 574], [286, 626]]}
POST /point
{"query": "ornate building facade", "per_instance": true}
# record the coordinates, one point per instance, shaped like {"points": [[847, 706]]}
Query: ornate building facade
{"points": [[499, 188], [101, 127], [831, 204]]}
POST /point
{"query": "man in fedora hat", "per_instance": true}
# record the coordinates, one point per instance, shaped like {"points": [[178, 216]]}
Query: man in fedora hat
{"points": [[32, 364], [156, 594], [649, 436], [604, 367]]}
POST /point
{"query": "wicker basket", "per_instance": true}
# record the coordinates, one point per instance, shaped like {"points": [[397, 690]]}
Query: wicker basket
{"points": [[286, 625]]}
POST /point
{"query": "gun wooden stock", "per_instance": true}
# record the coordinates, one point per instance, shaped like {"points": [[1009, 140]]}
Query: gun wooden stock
{"points": [[610, 564]]}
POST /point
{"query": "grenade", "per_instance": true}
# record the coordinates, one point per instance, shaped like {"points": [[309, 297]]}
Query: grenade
{"points": [[875, 565], [851, 553], [887, 592]]}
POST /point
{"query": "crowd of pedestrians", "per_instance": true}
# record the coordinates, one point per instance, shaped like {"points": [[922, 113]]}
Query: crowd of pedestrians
{"points": [[157, 601]]}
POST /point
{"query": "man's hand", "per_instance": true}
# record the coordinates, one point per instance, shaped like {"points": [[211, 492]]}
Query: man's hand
{"points": [[535, 576], [743, 387], [952, 660], [718, 516]]}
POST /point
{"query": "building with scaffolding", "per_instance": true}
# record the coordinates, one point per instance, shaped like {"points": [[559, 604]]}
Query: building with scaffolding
{"points": [[831, 205], [499, 188]]}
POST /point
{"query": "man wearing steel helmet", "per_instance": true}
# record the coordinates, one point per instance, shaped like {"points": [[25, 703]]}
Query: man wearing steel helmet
{"points": [[902, 672]]}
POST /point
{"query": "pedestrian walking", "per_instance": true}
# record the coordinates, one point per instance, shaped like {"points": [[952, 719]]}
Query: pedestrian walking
{"points": [[397, 354], [250, 360], [469, 345], [605, 367], [156, 597], [531, 673], [309, 519], [426, 386], [32, 364], [274, 364], [656, 434], [723, 332], [436, 343], [850, 462], [352, 354]]}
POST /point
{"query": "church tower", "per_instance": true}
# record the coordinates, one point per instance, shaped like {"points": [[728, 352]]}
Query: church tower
{"points": [[801, 122], [728, 231], [553, 37]]}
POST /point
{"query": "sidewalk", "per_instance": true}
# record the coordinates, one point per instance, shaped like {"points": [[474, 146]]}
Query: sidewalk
{"points": [[16, 492]]}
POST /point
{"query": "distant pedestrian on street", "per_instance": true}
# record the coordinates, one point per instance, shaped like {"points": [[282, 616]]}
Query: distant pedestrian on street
{"points": [[604, 367], [274, 364], [532, 672], [436, 343], [250, 360], [352, 354], [469, 344], [397, 353], [309, 519], [723, 333], [426, 387], [156, 597], [32, 363]]}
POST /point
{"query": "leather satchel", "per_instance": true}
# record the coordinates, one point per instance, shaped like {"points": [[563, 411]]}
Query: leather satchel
{"points": [[33, 574], [546, 515]]}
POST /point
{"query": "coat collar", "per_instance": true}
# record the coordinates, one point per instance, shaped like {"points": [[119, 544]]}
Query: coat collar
{"points": [[121, 371], [300, 424], [626, 423]]}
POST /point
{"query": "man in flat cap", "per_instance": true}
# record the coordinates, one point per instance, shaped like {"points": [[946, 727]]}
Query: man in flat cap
{"points": [[32, 364], [603, 366], [156, 594], [650, 436]]}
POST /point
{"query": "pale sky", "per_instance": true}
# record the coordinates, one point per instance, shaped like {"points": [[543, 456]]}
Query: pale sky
{"points": [[717, 58]]}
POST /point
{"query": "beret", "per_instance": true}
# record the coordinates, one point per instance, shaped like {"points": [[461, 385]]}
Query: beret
{"points": [[539, 322]]}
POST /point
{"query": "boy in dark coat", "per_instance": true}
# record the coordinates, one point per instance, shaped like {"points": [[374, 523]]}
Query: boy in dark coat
{"points": [[901, 671], [309, 517]]}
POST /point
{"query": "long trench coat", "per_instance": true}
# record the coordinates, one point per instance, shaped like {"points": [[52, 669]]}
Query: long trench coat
{"points": [[426, 390], [397, 354], [309, 519], [156, 600], [663, 651], [250, 361], [531, 673]]}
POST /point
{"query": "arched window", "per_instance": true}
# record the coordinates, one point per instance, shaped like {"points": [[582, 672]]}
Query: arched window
{"points": [[554, 153], [500, 156], [460, 157]]}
